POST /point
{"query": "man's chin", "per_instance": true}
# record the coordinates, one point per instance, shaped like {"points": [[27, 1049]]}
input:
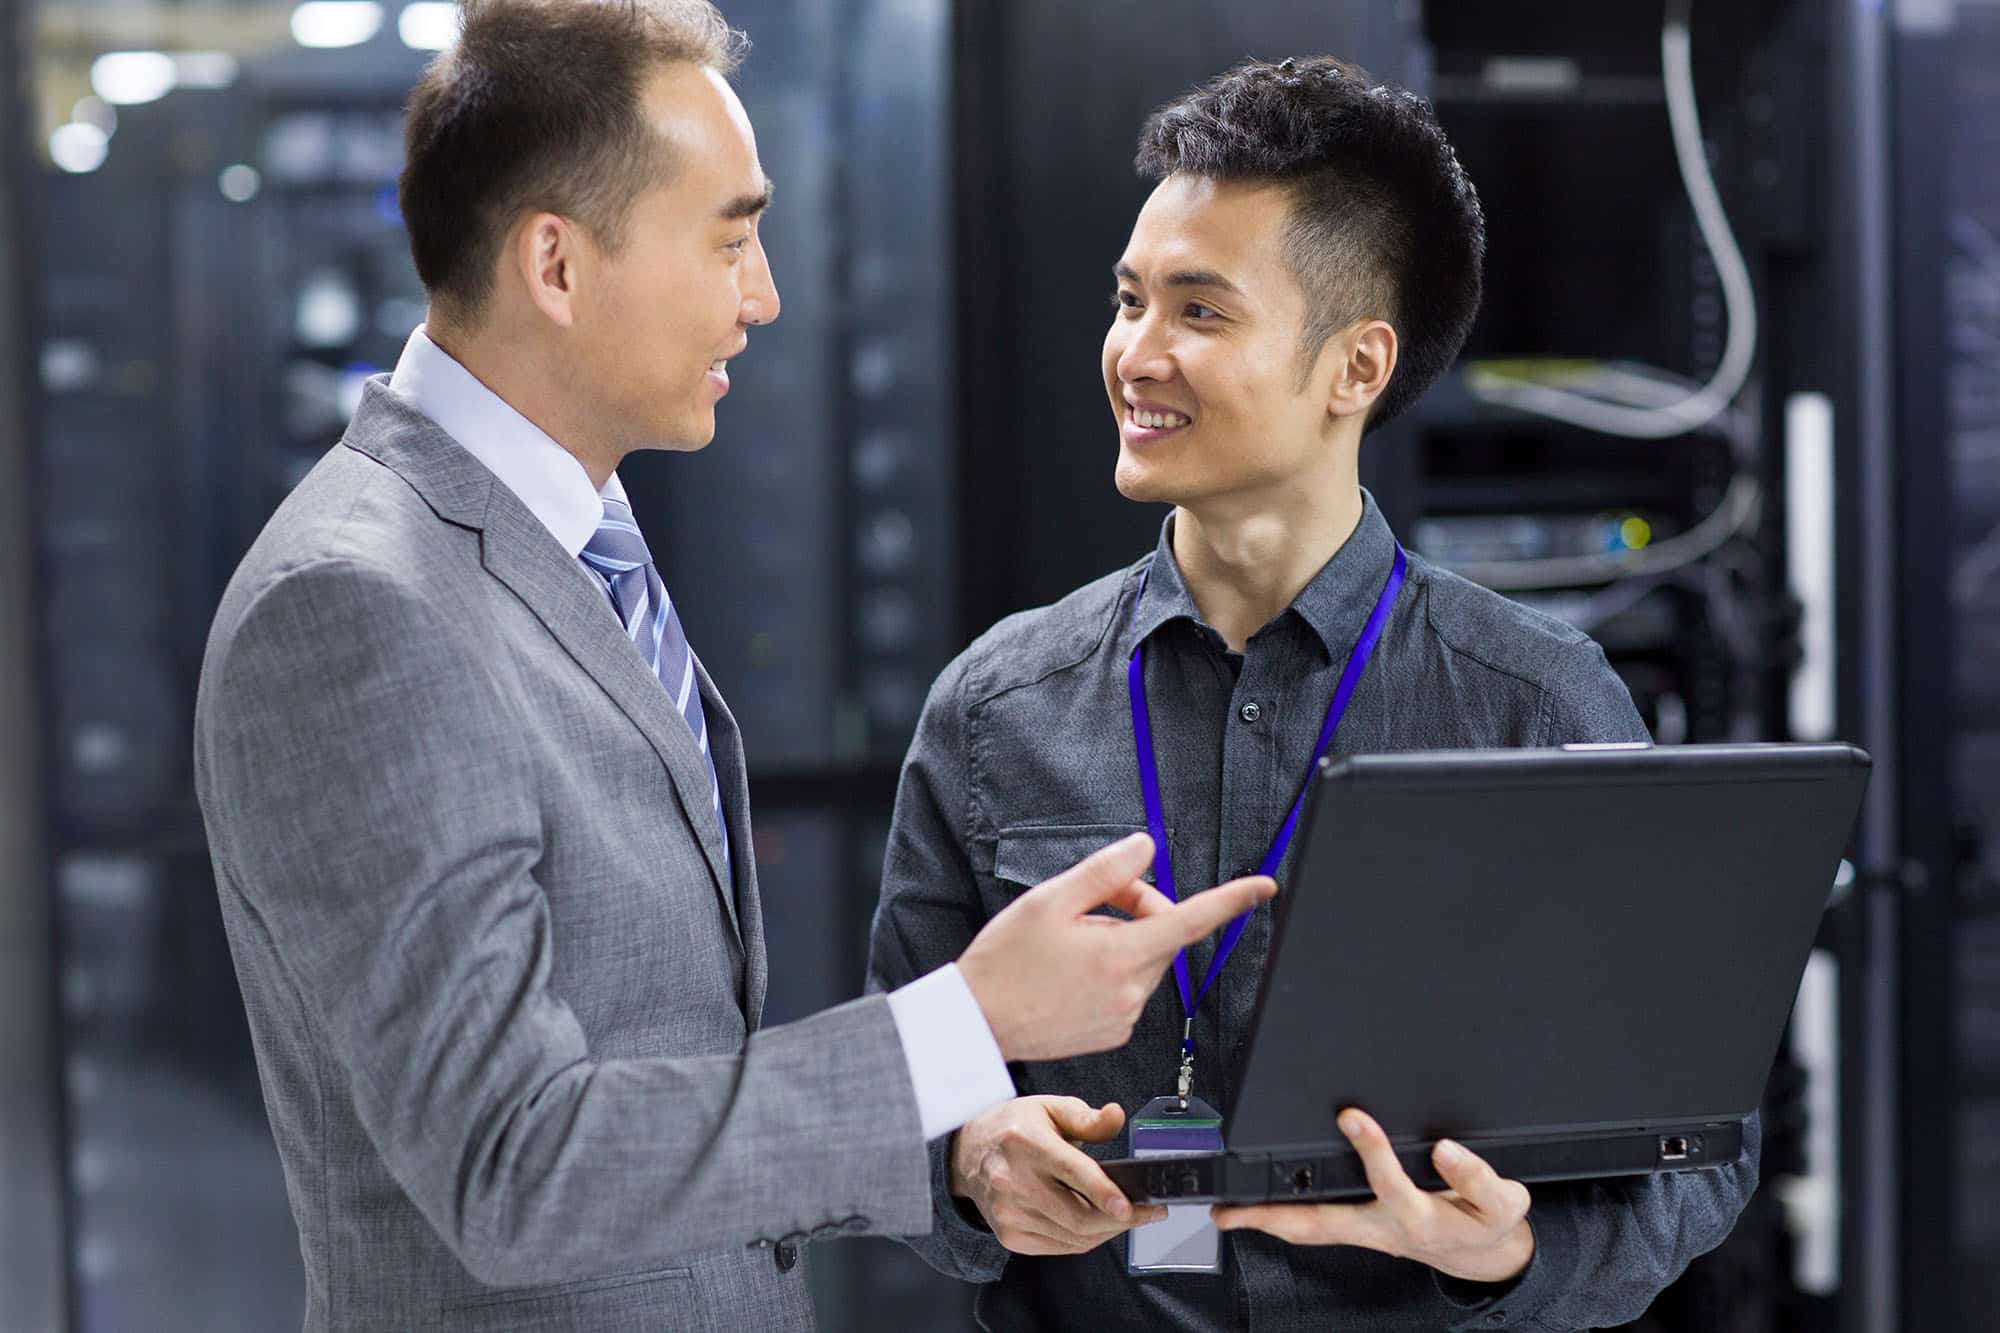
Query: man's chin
{"points": [[687, 437], [1142, 484]]}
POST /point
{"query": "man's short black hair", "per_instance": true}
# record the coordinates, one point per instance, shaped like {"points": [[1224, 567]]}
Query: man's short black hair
{"points": [[1385, 224]]}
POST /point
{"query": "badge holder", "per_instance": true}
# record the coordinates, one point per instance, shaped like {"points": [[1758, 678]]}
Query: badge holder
{"points": [[1185, 1240]]}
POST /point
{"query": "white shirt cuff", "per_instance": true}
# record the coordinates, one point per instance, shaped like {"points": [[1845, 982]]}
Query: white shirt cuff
{"points": [[954, 1062]]}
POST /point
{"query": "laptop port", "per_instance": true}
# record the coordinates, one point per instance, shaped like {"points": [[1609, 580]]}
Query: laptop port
{"points": [[1302, 1179], [1675, 1148]]}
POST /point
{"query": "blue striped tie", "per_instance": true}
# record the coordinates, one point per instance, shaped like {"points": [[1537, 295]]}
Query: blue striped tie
{"points": [[617, 554]]}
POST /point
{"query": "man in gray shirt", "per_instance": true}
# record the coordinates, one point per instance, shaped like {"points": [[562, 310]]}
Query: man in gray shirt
{"points": [[1308, 264]]}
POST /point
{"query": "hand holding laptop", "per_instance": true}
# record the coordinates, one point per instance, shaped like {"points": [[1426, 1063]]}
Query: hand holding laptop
{"points": [[1477, 1230], [1020, 1166]]}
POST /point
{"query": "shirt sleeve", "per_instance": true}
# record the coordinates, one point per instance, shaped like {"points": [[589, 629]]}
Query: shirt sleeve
{"points": [[1588, 704], [954, 1061], [930, 910]]}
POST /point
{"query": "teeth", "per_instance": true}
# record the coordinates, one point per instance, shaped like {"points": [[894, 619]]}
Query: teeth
{"points": [[1159, 420]]}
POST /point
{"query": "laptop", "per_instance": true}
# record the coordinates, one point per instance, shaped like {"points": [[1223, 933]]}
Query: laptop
{"points": [[1576, 962]]}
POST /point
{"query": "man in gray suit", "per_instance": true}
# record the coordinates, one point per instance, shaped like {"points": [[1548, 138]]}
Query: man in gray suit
{"points": [[479, 818]]}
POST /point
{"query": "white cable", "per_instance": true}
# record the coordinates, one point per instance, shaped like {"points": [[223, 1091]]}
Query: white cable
{"points": [[1738, 509], [1657, 421]]}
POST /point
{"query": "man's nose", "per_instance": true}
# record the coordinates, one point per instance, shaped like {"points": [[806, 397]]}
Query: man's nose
{"points": [[760, 293], [1145, 355]]}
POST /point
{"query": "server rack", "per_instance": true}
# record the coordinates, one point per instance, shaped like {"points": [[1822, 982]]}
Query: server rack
{"points": [[33, 1256], [1936, 1194], [1972, 362]]}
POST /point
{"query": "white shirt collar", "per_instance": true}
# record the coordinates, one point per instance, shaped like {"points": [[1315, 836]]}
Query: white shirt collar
{"points": [[547, 477]]}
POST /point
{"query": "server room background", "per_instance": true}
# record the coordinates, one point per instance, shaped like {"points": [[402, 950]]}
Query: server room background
{"points": [[201, 260]]}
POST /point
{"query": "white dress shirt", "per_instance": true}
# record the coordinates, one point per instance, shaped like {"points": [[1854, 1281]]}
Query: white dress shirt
{"points": [[954, 1062]]}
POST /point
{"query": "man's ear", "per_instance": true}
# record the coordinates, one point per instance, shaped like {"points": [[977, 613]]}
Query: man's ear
{"points": [[545, 253], [1365, 358]]}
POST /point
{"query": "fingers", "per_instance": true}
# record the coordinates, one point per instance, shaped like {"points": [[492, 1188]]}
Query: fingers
{"points": [[1136, 1215], [1032, 1211], [1053, 1208], [1103, 874], [1075, 1118], [1392, 1184], [1078, 1171], [1500, 1201], [1204, 914], [1299, 1223], [1138, 900], [1038, 1234], [1475, 1230], [1078, 1175], [1041, 1240]]}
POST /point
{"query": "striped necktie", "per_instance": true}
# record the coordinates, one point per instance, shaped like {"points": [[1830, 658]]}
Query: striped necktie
{"points": [[617, 554]]}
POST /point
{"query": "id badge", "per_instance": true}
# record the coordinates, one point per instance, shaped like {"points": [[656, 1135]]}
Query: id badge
{"points": [[1185, 1240]]}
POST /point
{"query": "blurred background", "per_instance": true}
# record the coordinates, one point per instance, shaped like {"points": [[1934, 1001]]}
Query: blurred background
{"points": [[201, 260]]}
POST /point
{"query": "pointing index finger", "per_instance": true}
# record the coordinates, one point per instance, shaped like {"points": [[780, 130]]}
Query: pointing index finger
{"points": [[1205, 913]]}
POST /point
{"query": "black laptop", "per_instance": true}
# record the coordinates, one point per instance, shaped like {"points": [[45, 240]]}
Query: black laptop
{"points": [[1576, 962]]}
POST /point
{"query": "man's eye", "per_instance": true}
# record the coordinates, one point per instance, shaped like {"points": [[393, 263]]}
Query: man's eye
{"points": [[1124, 300], [1196, 310], [736, 246]]}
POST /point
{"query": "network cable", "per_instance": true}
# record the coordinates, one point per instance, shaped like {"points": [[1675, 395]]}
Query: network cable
{"points": [[1642, 414], [1643, 402]]}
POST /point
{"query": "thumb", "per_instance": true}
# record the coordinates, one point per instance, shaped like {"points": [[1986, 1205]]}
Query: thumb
{"points": [[1102, 875], [1076, 1119], [1095, 1126]]}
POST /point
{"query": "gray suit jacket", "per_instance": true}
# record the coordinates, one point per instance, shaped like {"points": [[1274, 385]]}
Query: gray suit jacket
{"points": [[504, 999]]}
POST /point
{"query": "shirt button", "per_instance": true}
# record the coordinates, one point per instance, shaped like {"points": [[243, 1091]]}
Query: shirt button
{"points": [[786, 1256], [1497, 1317], [1250, 712]]}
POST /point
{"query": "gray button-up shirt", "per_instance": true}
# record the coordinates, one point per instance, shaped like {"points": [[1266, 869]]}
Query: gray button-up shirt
{"points": [[1024, 762]]}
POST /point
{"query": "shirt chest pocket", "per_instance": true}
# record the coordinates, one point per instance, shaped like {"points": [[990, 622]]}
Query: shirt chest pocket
{"points": [[1026, 855]]}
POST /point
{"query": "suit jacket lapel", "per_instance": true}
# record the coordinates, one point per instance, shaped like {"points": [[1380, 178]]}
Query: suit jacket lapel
{"points": [[519, 552], [725, 745], [522, 554]]}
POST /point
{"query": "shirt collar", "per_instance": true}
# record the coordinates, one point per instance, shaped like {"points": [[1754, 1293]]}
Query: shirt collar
{"points": [[1335, 603], [546, 477]]}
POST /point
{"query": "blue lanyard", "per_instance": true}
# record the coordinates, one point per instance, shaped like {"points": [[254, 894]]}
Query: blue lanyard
{"points": [[1149, 782]]}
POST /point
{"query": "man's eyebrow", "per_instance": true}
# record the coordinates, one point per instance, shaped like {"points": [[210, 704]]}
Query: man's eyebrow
{"points": [[1188, 277], [748, 205]]}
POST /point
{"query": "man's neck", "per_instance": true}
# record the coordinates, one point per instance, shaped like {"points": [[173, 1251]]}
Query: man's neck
{"points": [[1244, 567], [530, 382]]}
